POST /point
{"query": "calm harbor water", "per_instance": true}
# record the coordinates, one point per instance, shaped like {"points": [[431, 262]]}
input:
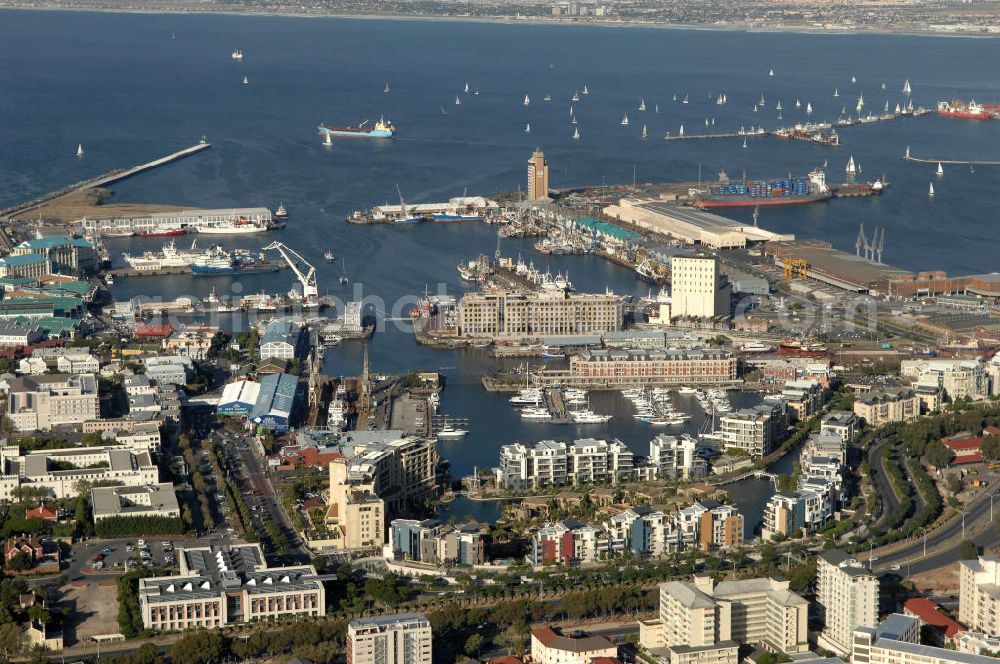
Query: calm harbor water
{"points": [[142, 94]]}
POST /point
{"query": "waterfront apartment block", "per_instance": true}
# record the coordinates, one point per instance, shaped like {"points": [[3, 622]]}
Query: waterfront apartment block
{"points": [[39, 403], [755, 430], [846, 598], [378, 474], [897, 641], [398, 639], [898, 405], [435, 543], [512, 315], [619, 369], [554, 463], [698, 288], [219, 586], [674, 457], [979, 594], [60, 471], [538, 176]]}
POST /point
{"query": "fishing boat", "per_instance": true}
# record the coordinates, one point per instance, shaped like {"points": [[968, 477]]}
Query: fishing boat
{"points": [[79, 150], [527, 100], [281, 212], [642, 104], [624, 121]]}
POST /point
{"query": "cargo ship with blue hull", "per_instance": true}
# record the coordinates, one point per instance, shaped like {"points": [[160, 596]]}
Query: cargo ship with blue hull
{"points": [[751, 193], [381, 129]]}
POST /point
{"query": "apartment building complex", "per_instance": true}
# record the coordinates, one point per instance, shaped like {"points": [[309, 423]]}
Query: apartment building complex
{"points": [[555, 463], [39, 403], [897, 641], [398, 639], [979, 594], [755, 430], [899, 405], [846, 598], [435, 543], [960, 378], [60, 471], [616, 369], [377, 475], [514, 315], [219, 586]]}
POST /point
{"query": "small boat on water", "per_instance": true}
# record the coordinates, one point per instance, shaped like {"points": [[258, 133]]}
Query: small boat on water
{"points": [[448, 432], [685, 99], [645, 133], [642, 104], [940, 170], [281, 212], [527, 128], [79, 150], [458, 102], [778, 107], [624, 121], [585, 90], [854, 79], [906, 87], [930, 192], [547, 97], [238, 55], [576, 96], [246, 81], [466, 88], [527, 100], [809, 108], [576, 133], [851, 168], [327, 141], [329, 256], [386, 90], [836, 92]]}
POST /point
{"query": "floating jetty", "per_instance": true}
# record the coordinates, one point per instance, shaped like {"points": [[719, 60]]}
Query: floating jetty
{"points": [[960, 162]]}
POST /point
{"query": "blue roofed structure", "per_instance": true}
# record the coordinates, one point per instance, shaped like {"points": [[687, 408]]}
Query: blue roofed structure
{"points": [[275, 401]]}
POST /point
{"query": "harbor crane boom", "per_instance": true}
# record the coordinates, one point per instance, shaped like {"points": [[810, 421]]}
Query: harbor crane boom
{"points": [[303, 270]]}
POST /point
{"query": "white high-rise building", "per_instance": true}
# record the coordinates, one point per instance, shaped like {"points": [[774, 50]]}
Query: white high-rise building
{"points": [[399, 639], [699, 289], [846, 598], [979, 594]]}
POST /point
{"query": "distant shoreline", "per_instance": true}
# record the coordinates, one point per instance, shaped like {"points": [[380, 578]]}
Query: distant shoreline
{"points": [[535, 21]]}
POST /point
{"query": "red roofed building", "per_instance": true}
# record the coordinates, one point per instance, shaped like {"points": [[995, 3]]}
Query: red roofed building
{"points": [[941, 628], [507, 659], [966, 449], [307, 457], [550, 647], [158, 330], [43, 512]]}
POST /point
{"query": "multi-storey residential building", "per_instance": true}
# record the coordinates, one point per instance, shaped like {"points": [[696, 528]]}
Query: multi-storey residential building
{"points": [[755, 430], [77, 363], [900, 405], [219, 586], [552, 463], [435, 543], [763, 612], [643, 531], [538, 176], [549, 646], [846, 598], [698, 288], [840, 423], [39, 403], [897, 641], [959, 378], [380, 474], [979, 594], [824, 445], [568, 542], [60, 471], [615, 369], [674, 457], [397, 639], [693, 628], [503, 314], [788, 511], [804, 397], [710, 524]]}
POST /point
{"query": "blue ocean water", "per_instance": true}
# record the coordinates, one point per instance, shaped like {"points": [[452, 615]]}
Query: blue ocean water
{"points": [[121, 86]]}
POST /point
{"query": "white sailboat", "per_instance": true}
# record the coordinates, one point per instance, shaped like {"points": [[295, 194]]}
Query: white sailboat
{"points": [[576, 133], [886, 109], [576, 96], [854, 79], [458, 102], [861, 104], [527, 100], [585, 90], [245, 80], [547, 97], [809, 108], [624, 122], [940, 170], [79, 150], [851, 169], [778, 107], [656, 109], [798, 104], [466, 88], [897, 109], [386, 90], [770, 73], [681, 132], [527, 128], [836, 92], [930, 190], [642, 104], [906, 87], [713, 122], [761, 102], [573, 120], [644, 132], [685, 99], [755, 108], [327, 141], [744, 141], [883, 86], [476, 92], [571, 110]]}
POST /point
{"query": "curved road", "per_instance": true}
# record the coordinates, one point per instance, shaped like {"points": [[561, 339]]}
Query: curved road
{"points": [[887, 501]]}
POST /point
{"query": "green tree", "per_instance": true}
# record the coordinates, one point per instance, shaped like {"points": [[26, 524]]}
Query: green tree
{"points": [[19, 562], [968, 550], [473, 644], [199, 648], [991, 447], [938, 454]]}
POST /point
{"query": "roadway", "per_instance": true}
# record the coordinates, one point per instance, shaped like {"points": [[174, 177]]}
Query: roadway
{"points": [[887, 501]]}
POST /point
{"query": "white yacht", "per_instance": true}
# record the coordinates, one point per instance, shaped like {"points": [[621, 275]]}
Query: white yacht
{"points": [[448, 432]]}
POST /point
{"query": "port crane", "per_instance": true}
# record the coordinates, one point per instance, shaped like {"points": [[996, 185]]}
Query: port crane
{"points": [[304, 271]]}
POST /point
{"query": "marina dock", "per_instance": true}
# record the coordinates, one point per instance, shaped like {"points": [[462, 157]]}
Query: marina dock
{"points": [[105, 179]]}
